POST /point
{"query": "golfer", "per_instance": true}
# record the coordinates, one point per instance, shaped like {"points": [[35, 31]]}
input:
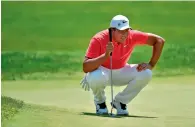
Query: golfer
{"points": [[96, 64]]}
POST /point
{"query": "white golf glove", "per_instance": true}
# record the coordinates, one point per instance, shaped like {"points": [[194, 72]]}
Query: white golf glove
{"points": [[85, 84]]}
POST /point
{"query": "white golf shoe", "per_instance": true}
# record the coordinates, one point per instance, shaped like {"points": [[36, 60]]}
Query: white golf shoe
{"points": [[101, 109], [121, 108]]}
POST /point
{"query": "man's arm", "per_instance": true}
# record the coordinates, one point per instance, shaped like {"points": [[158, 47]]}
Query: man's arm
{"points": [[158, 43], [91, 64]]}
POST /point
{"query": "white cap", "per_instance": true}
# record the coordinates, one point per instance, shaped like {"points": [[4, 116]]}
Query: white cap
{"points": [[120, 22]]}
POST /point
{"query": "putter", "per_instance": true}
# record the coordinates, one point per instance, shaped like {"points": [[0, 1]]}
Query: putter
{"points": [[110, 36]]}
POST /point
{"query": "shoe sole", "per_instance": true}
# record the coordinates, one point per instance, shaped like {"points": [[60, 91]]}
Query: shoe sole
{"points": [[119, 114]]}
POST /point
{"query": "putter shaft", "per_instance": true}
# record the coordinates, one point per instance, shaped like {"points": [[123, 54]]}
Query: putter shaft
{"points": [[111, 82]]}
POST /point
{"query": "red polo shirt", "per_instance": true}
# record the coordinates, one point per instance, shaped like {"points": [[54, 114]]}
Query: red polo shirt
{"points": [[121, 52]]}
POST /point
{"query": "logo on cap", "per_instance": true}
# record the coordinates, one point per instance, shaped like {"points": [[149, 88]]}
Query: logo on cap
{"points": [[124, 21]]}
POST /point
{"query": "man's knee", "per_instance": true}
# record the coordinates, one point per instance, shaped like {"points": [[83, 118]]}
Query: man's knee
{"points": [[97, 78], [145, 75], [148, 74]]}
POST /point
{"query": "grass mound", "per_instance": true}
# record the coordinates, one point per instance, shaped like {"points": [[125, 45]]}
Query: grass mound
{"points": [[9, 107]]}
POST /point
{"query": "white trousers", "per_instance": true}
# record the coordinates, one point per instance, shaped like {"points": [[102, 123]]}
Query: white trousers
{"points": [[128, 75]]}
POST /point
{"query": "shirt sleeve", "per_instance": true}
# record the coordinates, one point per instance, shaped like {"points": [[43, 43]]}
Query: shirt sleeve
{"points": [[140, 38], [93, 50]]}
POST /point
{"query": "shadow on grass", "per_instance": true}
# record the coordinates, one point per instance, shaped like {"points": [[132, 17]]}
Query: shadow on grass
{"points": [[115, 116]]}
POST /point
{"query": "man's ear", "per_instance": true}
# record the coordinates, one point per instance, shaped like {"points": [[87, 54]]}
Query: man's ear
{"points": [[114, 29]]}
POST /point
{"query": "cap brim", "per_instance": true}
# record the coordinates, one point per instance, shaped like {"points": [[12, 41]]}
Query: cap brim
{"points": [[124, 27]]}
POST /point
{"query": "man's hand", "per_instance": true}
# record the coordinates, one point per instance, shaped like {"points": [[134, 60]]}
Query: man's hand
{"points": [[143, 66], [85, 84], [91, 64], [109, 48]]}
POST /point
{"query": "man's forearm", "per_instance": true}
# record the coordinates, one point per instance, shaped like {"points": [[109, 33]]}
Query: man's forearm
{"points": [[92, 64], [157, 50]]}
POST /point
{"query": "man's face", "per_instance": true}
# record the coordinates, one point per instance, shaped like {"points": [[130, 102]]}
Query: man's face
{"points": [[120, 35]]}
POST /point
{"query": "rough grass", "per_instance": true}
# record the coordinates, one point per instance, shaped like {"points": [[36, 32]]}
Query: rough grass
{"points": [[52, 37], [16, 65], [42, 65], [9, 108]]}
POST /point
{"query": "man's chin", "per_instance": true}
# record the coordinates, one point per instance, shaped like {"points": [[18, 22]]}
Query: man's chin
{"points": [[121, 41]]}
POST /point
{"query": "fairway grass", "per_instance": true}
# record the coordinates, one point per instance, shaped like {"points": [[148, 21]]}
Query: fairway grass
{"points": [[164, 102]]}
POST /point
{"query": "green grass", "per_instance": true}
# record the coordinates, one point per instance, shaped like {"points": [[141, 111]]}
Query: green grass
{"points": [[164, 102], [44, 43], [18, 65], [52, 37], [9, 108], [70, 25], [62, 65]]}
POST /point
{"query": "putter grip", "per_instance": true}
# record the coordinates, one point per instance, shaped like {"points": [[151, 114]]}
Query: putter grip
{"points": [[110, 38]]}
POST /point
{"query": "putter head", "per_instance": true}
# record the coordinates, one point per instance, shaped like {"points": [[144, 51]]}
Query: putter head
{"points": [[112, 115]]}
